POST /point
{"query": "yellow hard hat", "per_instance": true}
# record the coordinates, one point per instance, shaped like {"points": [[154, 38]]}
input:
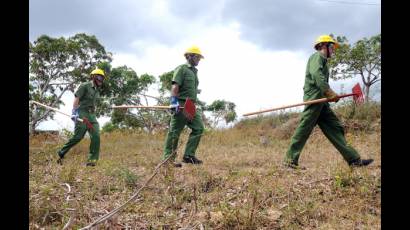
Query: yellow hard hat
{"points": [[98, 72], [194, 50], [325, 38]]}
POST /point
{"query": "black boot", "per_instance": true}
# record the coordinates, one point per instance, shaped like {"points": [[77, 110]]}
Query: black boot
{"points": [[90, 164], [60, 161], [176, 164], [191, 160], [60, 158], [294, 165], [360, 163]]}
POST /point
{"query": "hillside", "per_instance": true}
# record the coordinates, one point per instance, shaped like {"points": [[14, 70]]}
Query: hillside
{"points": [[241, 185]]}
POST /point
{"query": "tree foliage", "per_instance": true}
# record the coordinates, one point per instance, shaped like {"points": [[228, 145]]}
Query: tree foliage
{"points": [[165, 80], [59, 65], [221, 110], [362, 59], [125, 87]]}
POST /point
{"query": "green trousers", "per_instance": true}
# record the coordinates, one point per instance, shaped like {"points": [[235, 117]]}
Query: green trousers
{"points": [[79, 132], [177, 124], [330, 125]]}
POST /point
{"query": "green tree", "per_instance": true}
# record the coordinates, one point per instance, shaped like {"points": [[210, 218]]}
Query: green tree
{"points": [[124, 86], [363, 59], [58, 65], [165, 80], [109, 127], [221, 110]]}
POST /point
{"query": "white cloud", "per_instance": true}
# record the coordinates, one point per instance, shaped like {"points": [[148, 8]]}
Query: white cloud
{"points": [[233, 69]]}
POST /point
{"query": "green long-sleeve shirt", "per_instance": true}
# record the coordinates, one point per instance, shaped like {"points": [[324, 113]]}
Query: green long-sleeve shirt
{"points": [[317, 77]]}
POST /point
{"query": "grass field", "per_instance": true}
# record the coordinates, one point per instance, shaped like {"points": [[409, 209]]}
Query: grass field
{"points": [[241, 185]]}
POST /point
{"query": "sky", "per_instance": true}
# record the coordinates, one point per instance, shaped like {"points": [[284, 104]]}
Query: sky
{"points": [[255, 51]]}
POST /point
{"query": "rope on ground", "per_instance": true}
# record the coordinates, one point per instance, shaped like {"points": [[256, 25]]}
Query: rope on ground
{"points": [[113, 212], [67, 225], [73, 212]]}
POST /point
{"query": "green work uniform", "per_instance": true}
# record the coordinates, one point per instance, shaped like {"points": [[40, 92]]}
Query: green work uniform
{"points": [[88, 95], [316, 83], [186, 78]]}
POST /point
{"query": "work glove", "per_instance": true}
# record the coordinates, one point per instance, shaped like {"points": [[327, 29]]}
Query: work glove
{"points": [[330, 94], [75, 115], [174, 105]]}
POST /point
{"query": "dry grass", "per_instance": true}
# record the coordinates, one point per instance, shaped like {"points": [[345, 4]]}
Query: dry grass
{"points": [[241, 185]]}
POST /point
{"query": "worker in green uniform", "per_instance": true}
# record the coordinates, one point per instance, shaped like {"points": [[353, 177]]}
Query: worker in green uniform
{"points": [[316, 86], [84, 104], [184, 85]]}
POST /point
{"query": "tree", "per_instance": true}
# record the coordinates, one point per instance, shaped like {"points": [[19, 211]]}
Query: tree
{"points": [[58, 65], [165, 80], [109, 127], [222, 110], [363, 59], [125, 87], [123, 84]]}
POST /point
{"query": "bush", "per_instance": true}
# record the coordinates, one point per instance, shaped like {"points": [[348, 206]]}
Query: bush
{"points": [[286, 130], [365, 117], [370, 111], [125, 175], [266, 122], [109, 127]]}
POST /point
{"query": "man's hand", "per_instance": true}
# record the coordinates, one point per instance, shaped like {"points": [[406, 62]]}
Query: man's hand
{"points": [[75, 115], [174, 105], [330, 94]]}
